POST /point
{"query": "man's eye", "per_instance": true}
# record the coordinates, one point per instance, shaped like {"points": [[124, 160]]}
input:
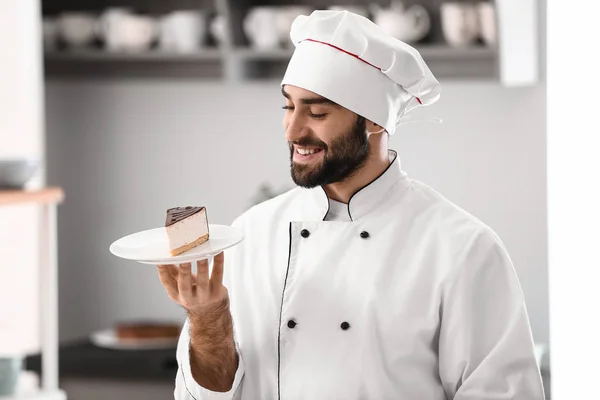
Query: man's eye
{"points": [[317, 116], [287, 107]]}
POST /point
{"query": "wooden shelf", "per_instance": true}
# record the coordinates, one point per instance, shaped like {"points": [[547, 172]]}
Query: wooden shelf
{"points": [[41, 196]]}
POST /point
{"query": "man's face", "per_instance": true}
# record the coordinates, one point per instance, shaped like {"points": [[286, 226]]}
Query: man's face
{"points": [[328, 143]]}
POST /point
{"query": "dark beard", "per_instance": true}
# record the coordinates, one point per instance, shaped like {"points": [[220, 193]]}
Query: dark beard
{"points": [[342, 158]]}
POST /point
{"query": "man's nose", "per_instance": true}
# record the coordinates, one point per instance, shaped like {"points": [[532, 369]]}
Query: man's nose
{"points": [[295, 128]]}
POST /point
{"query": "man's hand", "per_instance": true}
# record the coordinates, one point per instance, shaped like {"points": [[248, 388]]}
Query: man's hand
{"points": [[213, 358], [196, 293]]}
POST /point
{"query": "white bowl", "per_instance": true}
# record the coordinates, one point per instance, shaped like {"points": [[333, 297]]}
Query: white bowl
{"points": [[15, 173]]}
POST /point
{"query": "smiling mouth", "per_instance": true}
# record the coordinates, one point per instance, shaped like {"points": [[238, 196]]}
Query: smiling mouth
{"points": [[307, 151], [306, 154]]}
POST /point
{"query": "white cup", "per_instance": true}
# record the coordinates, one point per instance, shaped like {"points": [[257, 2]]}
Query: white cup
{"points": [[129, 32], [487, 23], [460, 23], [77, 29], [183, 31], [261, 28], [108, 28]]}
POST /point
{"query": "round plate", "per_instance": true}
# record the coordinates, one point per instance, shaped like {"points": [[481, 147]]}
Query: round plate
{"points": [[152, 246], [108, 339]]}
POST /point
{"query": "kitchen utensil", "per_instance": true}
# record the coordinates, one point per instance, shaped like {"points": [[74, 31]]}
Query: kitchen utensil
{"points": [[77, 29], [183, 31], [14, 173], [407, 24], [460, 23], [151, 246]]}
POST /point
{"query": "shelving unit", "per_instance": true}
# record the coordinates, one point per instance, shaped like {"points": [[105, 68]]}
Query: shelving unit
{"points": [[446, 62], [235, 61], [47, 199]]}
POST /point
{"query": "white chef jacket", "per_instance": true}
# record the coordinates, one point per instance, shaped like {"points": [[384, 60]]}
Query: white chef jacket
{"points": [[411, 298]]}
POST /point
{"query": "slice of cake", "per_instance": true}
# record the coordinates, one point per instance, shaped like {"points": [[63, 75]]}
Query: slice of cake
{"points": [[187, 227], [146, 330]]}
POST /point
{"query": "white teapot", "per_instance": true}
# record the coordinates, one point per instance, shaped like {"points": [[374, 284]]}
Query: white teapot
{"points": [[407, 24]]}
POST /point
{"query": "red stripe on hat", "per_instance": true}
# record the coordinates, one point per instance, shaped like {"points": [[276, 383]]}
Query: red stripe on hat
{"points": [[344, 51], [353, 55]]}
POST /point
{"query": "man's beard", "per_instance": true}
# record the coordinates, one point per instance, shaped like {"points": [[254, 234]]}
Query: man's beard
{"points": [[341, 159]]}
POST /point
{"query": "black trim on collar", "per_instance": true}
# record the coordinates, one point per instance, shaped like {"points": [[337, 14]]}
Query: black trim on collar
{"points": [[378, 176], [328, 203]]}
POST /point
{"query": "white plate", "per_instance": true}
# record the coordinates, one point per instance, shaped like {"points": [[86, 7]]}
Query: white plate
{"points": [[152, 246], [108, 339]]}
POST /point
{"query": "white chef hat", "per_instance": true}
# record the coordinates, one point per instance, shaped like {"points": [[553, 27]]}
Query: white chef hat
{"points": [[349, 60]]}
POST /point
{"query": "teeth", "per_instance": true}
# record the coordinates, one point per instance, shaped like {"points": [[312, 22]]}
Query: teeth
{"points": [[306, 151]]}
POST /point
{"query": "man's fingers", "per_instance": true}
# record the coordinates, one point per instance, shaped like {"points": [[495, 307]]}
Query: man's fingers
{"points": [[168, 281], [184, 281], [202, 274], [174, 271], [216, 278]]}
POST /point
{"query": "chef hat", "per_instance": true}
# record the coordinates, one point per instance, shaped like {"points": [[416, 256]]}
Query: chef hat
{"points": [[349, 60]]}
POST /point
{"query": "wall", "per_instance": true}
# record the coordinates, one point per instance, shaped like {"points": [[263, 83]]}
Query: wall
{"points": [[127, 150]]}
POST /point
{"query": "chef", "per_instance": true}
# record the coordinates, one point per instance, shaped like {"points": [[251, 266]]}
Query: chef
{"points": [[360, 283]]}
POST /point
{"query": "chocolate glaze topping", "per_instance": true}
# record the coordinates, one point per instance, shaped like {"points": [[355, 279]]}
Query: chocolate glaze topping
{"points": [[177, 214]]}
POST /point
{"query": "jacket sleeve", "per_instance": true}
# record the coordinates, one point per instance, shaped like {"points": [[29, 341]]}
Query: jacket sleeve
{"points": [[486, 349], [186, 387]]}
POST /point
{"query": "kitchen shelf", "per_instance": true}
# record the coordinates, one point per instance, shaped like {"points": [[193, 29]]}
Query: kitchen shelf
{"points": [[513, 63], [245, 63]]}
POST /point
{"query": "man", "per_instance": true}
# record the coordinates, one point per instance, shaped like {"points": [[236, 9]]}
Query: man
{"points": [[361, 283]]}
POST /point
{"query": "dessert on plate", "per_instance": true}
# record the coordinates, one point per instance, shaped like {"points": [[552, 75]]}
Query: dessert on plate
{"points": [[146, 330], [187, 227]]}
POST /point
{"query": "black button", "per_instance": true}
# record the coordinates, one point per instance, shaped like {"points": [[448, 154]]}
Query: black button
{"points": [[305, 233], [364, 234], [345, 326], [291, 324]]}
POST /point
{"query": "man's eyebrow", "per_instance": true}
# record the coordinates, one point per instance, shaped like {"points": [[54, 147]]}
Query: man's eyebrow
{"points": [[310, 101]]}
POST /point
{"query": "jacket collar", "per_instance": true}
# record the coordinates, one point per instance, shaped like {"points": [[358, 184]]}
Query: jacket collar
{"points": [[363, 201]]}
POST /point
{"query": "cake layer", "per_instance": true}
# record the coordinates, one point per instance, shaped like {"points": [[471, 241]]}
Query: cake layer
{"points": [[189, 246]]}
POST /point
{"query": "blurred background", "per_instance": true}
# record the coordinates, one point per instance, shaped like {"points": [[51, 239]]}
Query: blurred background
{"points": [[135, 106]]}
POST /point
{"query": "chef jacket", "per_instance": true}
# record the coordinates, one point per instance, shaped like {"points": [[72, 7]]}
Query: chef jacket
{"points": [[407, 297]]}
